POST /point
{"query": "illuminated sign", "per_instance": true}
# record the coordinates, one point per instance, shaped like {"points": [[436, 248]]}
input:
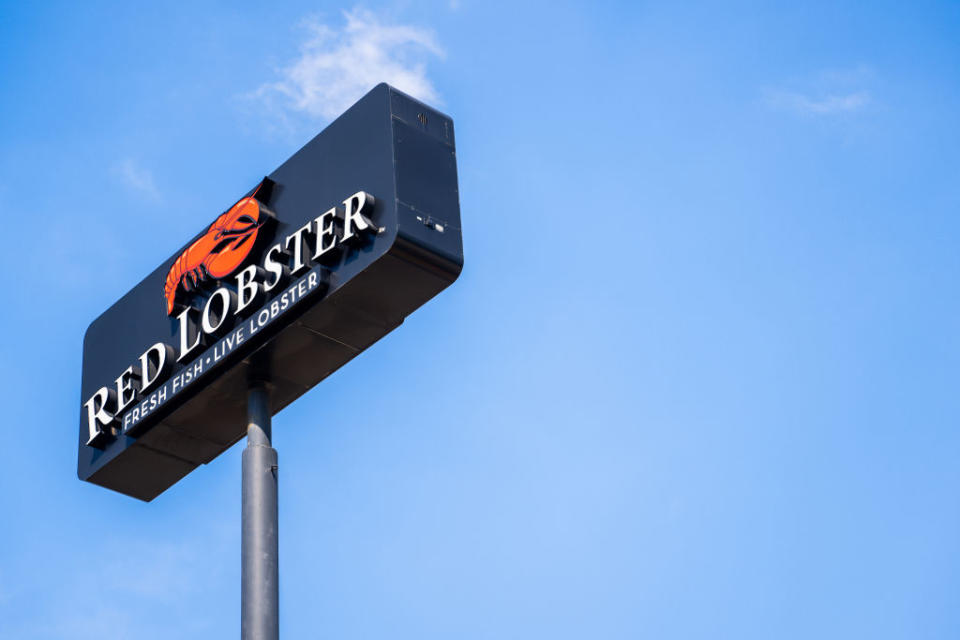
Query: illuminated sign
{"points": [[326, 255]]}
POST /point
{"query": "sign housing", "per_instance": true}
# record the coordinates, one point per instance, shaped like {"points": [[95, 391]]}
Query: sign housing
{"points": [[320, 260]]}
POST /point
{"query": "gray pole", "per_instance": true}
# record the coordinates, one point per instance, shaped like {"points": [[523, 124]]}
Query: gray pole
{"points": [[260, 589]]}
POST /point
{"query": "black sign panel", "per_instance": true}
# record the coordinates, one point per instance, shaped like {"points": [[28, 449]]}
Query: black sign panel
{"points": [[325, 256]]}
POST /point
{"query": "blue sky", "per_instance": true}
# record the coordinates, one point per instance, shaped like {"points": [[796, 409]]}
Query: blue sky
{"points": [[697, 379]]}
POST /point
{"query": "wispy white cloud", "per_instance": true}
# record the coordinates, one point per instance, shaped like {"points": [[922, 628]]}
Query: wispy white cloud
{"points": [[818, 105], [136, 178], [337, 65], [828, 92]]}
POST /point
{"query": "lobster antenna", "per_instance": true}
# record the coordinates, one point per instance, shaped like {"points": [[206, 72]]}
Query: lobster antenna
{"points": [[264, 190]]}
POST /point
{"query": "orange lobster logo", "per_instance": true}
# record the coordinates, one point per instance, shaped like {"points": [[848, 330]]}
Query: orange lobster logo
{"points": [[222, 249]]}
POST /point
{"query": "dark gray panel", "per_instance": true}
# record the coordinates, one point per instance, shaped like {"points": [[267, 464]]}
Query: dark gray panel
{"points": [[387, 144]]}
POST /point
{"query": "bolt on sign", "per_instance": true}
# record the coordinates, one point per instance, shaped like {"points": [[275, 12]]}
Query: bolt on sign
{"points": [[322, 258]]}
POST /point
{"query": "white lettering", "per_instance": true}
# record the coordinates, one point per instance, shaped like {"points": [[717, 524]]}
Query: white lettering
{"points": [[185, 327], [325, 230], [125, 392], [248, 289], [98, 415], [152, 370], [108, 405], [206, 323], [297, 236], [278, 270], [355, 209]]}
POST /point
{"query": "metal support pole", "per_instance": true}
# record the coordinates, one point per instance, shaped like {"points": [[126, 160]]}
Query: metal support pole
{"points": [[260, 589]]}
